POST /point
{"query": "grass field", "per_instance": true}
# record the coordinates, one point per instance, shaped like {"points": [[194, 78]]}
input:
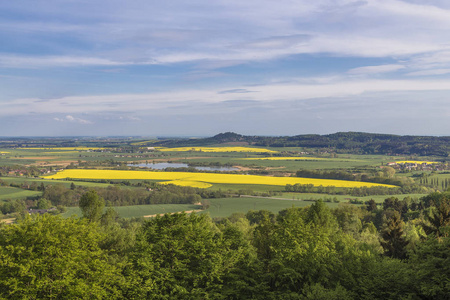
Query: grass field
{"points": [[224, 207], [221, 207], [345, 198], [139, 210], [66, 183], [7, 192], [210, 178]]}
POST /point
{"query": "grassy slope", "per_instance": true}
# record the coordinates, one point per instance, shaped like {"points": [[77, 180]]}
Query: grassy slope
{"points": [[16, 193], [221, 207], [20, 180], [344, 198]]}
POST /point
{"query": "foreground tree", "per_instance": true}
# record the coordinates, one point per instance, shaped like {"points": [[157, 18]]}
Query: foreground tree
{"points": [[180, 257], [53, 258], [430, 263], [394, 241], [439, 218]]}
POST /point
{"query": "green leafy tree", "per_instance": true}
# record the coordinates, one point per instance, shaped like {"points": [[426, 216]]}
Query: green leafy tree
{"points": [[371, 205], [53, 258], [320, 215], [43, 204], [91, 205], [109, 217], [386, 278], [180, 257]]}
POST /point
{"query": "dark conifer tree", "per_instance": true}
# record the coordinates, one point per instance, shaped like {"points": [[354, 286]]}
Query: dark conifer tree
{"points": [[394, 242]]}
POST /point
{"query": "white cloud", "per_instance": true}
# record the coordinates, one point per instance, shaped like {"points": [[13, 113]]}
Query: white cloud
{"points": [[144, 33], [375, 69], [148, 104], [430, 72], [72, 119], [18, 61]]}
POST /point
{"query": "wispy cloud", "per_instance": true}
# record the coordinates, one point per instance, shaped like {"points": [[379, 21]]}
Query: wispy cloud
{"points": [[375, 69], [16, 61], [152, 103], [430, 72], [72, 119], [236, 91]]}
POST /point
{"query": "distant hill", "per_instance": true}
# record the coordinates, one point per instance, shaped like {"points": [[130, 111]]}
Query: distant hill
{"points": [[348, 142]]}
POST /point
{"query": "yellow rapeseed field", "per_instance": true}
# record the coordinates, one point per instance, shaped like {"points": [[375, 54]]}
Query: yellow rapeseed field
{"points": [[418, 162], [3, 152], [209, 178], [218, 149]]}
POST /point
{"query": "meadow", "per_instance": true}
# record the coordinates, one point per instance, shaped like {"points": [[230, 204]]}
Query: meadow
{"points": [[66, 183], [221, 207], [137, 211], [345, 198], [12, 193]]}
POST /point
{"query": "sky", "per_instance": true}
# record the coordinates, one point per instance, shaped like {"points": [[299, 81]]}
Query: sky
{"points": [[198, 68]]}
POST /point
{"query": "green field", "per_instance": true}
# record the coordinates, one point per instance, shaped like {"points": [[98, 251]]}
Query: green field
{"points": [[139, 210], [66, 183], [345, 198], [221, 207], [224, 207], [7, 192]]}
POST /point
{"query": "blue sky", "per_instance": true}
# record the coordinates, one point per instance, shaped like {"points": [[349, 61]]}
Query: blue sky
{"points": [[75, 67]]}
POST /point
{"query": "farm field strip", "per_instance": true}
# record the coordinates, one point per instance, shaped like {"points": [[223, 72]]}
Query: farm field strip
{"points": [[210, 178], [224, 207], [16, 193], [78, 148], [220, 207], [300, 158], [418, 162], [139, 210], [218, 149], [345, 198], [51, 181]]}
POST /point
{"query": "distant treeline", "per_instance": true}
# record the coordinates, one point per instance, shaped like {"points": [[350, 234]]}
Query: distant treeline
{"points": [[58, 194], [344, 142]]}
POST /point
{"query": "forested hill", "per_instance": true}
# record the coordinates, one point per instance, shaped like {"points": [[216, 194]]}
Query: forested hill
{"points": [[353, 142]]}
